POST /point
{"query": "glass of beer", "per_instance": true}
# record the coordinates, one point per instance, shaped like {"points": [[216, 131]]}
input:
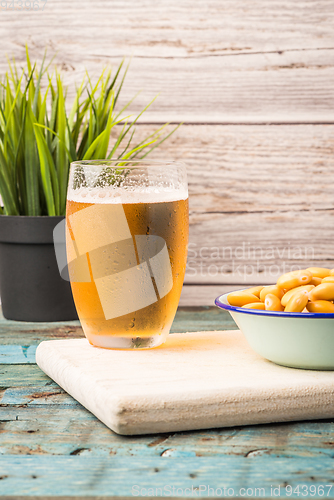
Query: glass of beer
{"points": [[126, 239]]}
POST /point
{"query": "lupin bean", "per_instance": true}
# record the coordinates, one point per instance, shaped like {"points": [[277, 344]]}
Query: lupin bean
{"points": [[254, 305], [272, 303], [294, 278], [328, 279], [239, 299], [273, 289], [297, 302], [319, 272], [256, 290], [315, 281], [325, 291], [287, 296], [320, 306]]}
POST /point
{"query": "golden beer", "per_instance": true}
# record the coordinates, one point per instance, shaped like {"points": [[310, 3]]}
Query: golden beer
{"points": [[131, 258]]}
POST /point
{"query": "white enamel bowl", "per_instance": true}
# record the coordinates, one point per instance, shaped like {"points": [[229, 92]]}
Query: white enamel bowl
{"points": [[298, 340]]}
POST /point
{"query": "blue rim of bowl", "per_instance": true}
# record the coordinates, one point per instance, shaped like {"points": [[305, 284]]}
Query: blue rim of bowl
{"points": [[259, 312]]}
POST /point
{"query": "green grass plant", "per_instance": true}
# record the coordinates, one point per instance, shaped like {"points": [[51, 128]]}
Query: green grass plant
{"points": [[39, 137]]}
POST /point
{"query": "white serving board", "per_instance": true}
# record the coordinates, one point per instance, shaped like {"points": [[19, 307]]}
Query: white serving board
{"points": [[194, 381]]}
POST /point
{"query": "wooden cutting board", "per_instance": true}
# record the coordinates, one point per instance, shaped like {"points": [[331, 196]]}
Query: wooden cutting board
{"points": [[195, 381]]}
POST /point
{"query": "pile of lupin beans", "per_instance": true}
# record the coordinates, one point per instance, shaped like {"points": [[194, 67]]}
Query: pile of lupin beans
{"points": [[306, 290]]}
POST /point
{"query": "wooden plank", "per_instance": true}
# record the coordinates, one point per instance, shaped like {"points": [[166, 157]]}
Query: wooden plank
{"points": [[190, 319], [293, 87], [264, 169], [124, 476], [76, 497], [65, 329], [205, 295], [222, 63], [27, 333], [260, 200], [289, 87], [64, 497], [72, 430], [61, 430], [22, 376], [176, 29], [194, 319], [16, 354], [38, 396], [16, 346], [257, 246]]}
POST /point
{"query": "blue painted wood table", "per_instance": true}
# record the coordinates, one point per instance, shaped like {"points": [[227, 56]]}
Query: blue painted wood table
{"points": [[51, 446]]}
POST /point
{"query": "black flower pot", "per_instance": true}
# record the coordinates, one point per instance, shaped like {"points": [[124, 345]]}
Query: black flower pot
{"points": [[31, 288]]}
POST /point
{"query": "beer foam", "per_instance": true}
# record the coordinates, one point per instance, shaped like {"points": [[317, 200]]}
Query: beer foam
{"points": [[121, 195]]}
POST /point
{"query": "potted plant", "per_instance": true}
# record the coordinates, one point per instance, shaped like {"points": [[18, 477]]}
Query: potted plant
{"points": [[38, 140]]}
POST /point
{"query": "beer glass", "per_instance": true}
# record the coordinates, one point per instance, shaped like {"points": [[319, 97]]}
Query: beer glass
{"points": [[126, 239]]}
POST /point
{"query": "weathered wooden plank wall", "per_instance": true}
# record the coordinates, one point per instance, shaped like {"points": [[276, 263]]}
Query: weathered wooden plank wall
{"points": [[254, 84]]}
